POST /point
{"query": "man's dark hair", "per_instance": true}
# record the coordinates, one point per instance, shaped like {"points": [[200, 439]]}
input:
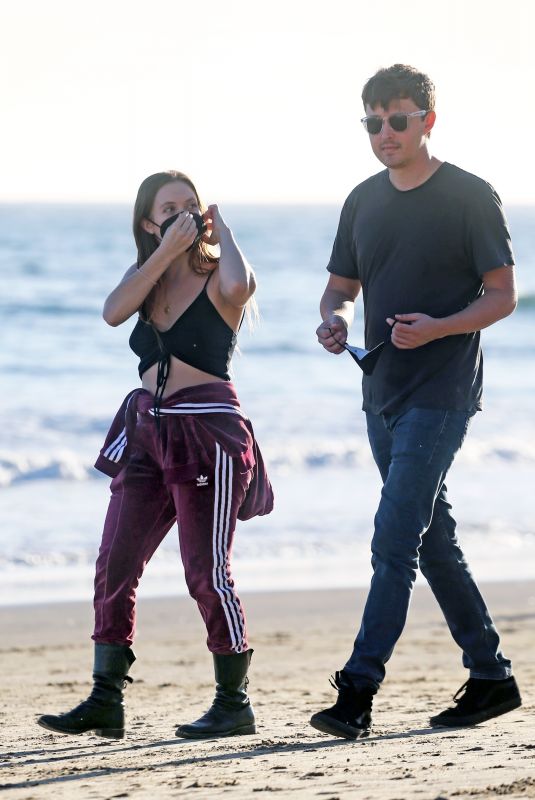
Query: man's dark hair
{"points": [[397, 83]]}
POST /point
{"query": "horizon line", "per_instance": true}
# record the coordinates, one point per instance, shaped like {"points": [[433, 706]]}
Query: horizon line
{"points": [[126, 203]]}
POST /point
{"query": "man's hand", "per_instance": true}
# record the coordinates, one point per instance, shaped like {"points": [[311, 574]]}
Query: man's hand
{"points": [[332, 329], [413, 330]]}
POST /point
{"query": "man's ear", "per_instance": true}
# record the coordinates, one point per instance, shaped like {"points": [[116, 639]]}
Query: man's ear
{"points": [[430, 118]]}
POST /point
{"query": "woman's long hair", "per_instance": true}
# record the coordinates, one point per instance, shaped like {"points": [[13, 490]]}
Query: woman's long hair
{"points": [[147, 243], [201, 258]]}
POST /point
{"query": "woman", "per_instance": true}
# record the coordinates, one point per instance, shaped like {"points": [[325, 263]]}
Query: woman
{"points": [[180, 448]]}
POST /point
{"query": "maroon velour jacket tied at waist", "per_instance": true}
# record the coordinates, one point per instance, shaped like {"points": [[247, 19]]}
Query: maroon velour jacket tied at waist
{"points": [[193, 420]]}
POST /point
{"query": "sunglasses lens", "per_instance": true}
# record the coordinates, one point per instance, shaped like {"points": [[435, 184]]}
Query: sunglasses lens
{"points": [[374, 124], [398, 122]]}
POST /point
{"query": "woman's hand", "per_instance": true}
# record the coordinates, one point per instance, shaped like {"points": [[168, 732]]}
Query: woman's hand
{"points": [[179, 235], [215, 225]]}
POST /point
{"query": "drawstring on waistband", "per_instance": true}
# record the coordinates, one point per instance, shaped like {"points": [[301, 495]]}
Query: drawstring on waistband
{"points": [[161, 381]]}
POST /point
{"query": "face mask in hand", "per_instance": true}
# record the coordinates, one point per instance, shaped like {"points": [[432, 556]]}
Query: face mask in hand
{"points": [[366, 359], [201, 226]]}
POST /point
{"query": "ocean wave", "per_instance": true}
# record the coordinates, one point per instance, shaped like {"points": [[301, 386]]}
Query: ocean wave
{"points": [[358, 454], [63, 466], [281, 458], [288, 560], [304, 543]]}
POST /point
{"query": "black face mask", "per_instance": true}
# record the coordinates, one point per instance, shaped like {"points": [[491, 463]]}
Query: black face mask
{"points": [[366, 359], [201, 226]]}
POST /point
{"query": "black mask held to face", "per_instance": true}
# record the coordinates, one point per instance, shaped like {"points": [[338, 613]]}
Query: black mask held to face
{"points": [[201, 226]]}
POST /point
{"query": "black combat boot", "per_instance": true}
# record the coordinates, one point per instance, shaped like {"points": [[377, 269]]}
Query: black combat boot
{"points": [[479, 700], [231, 713], [103, 711], [351, 715]]}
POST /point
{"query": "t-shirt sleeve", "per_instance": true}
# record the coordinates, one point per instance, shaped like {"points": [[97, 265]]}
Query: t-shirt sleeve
{"points": [[343, 259], [489, 239]]}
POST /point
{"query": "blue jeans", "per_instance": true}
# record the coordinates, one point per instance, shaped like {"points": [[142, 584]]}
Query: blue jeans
{"points": [[414, 527]]}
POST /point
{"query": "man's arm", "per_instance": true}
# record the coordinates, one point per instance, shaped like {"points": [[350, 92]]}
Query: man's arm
{"points": [[337, 308], [498, 300]]}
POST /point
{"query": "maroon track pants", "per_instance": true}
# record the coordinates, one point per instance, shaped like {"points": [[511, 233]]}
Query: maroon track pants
{"points": [[143, 508]]}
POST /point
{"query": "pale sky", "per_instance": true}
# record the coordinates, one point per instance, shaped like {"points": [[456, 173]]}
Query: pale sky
{"points": [[256, 101]]}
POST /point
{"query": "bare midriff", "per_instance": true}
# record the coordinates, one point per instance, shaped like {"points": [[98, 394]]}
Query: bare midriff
{"points": [[181, 376]]}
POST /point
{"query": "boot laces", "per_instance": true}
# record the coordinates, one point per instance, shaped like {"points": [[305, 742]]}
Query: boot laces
{"points": [[337, 682], [467, 695], [349, 693]]}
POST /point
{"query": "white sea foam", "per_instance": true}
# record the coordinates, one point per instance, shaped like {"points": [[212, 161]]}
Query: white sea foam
{"points": [[282, 457], [496, 553], [60, 466]]}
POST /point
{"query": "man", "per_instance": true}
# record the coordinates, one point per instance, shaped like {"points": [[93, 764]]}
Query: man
{"points": [[429, 245]]}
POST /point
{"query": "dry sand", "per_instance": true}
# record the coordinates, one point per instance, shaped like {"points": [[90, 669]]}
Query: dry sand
{"points": [[299, 639]]}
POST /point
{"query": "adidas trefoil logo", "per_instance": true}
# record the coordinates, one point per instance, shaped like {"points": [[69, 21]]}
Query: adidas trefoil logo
{"points": [[202, 480]]}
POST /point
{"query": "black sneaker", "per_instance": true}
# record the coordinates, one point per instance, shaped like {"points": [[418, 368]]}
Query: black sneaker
{"points": [[351, 715], [482, 700]]}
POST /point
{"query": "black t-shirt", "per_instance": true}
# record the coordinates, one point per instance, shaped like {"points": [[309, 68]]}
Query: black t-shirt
{"points": [[422, 250]]}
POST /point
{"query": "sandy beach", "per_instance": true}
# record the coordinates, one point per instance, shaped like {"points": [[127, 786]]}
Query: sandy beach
{"points": [[299, 639]]}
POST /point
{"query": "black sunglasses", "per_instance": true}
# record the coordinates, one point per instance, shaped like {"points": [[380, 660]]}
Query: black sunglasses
{"points": [[398, 121], [366, 359]]}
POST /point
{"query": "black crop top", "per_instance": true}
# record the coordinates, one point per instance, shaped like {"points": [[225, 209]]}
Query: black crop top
{"points": [[200, 337]]}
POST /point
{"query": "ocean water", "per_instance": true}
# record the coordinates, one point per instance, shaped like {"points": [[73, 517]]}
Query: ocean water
{"points": [[65, 372]]}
